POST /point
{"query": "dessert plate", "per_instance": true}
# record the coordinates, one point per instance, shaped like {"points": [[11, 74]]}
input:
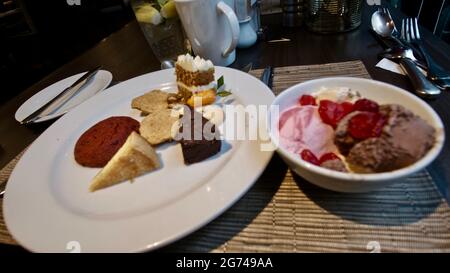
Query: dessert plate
{"points": [[99, 82], [48, 208]]}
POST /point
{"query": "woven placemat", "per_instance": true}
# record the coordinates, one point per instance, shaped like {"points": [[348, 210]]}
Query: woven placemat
{"points": [[284, 213]]}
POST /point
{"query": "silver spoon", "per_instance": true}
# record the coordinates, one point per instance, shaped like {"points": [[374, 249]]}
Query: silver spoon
{"points": [[424, 88], [398, 52], [384, 26], [381, 24], [167, 64]]}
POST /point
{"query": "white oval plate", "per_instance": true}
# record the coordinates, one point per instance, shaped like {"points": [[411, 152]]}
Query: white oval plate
{"points": [[99, 82], [48, 208]]}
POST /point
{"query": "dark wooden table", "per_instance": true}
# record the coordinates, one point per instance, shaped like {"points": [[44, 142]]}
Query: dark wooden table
{"points": [[126, 54]]}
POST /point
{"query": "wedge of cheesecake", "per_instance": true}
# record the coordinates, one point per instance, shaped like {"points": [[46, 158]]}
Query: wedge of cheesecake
{"points": [[133, 159]]}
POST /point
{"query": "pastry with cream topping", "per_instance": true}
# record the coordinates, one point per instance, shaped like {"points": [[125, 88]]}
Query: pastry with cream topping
{"points": [[195, 79]]}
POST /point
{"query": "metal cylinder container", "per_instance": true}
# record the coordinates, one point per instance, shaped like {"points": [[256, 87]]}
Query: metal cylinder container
{"points": [[292, 12], [330, 16]]}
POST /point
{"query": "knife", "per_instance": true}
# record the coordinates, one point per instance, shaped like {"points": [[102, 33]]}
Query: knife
{"points": [[267, 75], [2, 189], [62, 97]]}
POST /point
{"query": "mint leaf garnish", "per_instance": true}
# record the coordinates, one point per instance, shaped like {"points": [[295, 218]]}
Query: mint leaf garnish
{"points": [[220, 82], [224, 93]]}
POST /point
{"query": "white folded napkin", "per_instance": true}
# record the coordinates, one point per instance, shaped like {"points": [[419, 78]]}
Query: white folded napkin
{"points": [[389, 65]]}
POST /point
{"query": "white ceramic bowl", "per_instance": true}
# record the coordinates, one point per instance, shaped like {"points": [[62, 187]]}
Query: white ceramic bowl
{"points": [[378, 91]]}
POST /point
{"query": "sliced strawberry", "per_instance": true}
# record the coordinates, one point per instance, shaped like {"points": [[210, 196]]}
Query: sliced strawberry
{"points": [[366, 105], [327, 112], [348, 107], [328, 156], [307, 100], [332, 112], [378, 128], [308, 156], [366, 124]]}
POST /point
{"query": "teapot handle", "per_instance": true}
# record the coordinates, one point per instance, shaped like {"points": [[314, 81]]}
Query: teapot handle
{"points": [[234, 25]]}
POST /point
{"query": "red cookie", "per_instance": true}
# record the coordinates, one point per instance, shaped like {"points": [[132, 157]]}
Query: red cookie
{"points": [[99, 143]]}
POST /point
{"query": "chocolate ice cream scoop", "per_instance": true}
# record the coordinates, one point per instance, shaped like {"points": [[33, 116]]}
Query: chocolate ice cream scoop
{"points": [[405, 139]]}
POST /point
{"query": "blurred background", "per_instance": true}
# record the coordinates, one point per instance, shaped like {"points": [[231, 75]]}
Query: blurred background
{"points": [[36, 37]]}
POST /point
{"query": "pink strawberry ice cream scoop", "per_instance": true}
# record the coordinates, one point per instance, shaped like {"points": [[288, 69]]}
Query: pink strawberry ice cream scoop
{"points": [[301, 128]]}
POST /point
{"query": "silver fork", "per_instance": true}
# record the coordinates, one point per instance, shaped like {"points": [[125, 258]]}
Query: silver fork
{"points": [[395, 35], [411, 34]]}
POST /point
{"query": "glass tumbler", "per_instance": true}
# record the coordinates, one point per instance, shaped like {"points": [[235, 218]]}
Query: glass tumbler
{"points": [[161, 27]]}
